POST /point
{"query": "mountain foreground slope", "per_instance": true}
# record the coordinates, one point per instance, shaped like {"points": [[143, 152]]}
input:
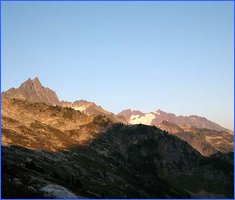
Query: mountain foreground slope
{"points": [[41, 126]]}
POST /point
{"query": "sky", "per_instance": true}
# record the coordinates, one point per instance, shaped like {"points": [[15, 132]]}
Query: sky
{"points": [[173, 56]]}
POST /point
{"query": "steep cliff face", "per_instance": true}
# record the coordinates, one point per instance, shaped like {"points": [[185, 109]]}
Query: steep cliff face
{"points": [[32, 90]]}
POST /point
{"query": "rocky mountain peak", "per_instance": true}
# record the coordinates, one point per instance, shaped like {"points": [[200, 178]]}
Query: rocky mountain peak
{"points": [[36, 81], [33, 90], [31, 83]]}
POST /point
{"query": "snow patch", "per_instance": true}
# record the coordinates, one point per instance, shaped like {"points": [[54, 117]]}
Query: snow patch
{"points": [[58, 191], [80, 108], [146, 119]]}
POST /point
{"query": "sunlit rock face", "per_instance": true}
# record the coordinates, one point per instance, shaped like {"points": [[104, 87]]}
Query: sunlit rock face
{"points": [[90, 108], [32, 90]]}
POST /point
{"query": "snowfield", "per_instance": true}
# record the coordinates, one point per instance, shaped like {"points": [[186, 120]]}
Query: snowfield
{"points": [[146, 119], [58, 191]]}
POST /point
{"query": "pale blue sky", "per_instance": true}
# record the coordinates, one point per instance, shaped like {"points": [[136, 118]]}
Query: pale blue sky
{"points": [[175, 56]]}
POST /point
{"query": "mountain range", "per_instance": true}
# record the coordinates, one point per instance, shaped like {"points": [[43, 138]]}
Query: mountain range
{"points": [[155, 118], [59, 149], [32, 90], [204, 135]]}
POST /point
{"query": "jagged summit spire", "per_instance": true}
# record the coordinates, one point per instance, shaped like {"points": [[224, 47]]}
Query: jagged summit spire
{"points": [[30, 82], [36, 81]]}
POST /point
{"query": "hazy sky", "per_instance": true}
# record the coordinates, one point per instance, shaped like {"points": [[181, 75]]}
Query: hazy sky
{"points": [[175, 56]]}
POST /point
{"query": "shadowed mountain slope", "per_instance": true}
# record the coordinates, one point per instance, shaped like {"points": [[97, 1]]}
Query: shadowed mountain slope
{"points": [[122, 162]]}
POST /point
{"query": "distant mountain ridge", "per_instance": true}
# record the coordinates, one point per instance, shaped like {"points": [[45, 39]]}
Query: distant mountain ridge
{"points": [[155, 118]]}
